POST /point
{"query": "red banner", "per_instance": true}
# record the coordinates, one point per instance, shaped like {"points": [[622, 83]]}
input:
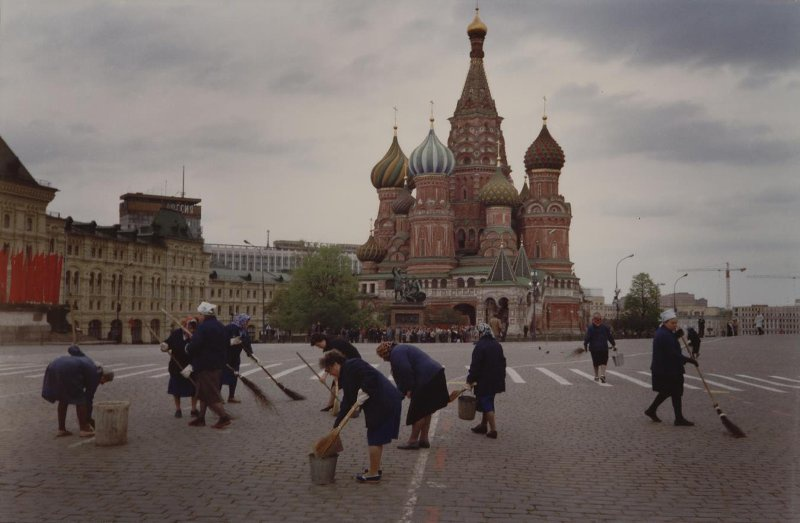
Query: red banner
{"points": [[35, 279]]}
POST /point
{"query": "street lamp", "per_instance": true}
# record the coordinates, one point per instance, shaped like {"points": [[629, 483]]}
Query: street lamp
{"points": [[263, 291], [616, 284], [674, 306], [535, 292]]}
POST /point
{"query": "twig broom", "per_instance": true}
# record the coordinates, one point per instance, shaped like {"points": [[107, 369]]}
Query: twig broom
{"points": [[324, 447], [289, 392], [735, 431], [322, 381]]}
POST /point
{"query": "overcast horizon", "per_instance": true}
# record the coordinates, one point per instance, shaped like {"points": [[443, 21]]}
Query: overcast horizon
{"points": [[678, 119]]}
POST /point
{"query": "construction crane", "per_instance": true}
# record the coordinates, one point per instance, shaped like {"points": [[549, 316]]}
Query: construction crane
{"points": [[727, 270]]}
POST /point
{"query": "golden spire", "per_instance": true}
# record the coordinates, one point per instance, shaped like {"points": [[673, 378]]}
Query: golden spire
{"points": [[431, 114], [395, 120], [544, 110]]}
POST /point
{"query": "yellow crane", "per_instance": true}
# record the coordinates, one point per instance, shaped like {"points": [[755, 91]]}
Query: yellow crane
{"points": [[727, 270]]}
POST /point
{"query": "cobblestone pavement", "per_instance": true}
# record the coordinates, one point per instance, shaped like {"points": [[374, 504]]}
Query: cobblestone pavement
{"points": [[568, 448]]}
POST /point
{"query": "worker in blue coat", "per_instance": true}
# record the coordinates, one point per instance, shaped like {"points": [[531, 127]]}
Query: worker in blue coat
{"points": [[239, 340], [381, 410], [73, 380], [598, 338], [487, 376], [667, 369]]}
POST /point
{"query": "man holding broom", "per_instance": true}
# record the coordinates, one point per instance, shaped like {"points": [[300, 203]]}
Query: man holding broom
{"points": [[208, 350], [667, 369]]}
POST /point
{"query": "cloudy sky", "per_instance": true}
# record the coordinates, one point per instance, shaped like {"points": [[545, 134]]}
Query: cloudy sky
{"points": [[679, 119]]}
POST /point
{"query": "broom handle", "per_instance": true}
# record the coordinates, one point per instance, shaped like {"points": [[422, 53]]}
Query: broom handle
{"points": [[338, 429], [322, 381], [702, 378], [253, 357], [172, 356]]}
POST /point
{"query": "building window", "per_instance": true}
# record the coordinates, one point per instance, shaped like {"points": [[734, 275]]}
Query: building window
{"points": [[6, 221], [29, 224]]}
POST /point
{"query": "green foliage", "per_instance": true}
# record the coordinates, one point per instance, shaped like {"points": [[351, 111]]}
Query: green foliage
{"points": [[322, 290], [641, 312]]}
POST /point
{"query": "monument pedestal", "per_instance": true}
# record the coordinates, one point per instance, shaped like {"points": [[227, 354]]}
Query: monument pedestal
{"points": [[407, 315]]}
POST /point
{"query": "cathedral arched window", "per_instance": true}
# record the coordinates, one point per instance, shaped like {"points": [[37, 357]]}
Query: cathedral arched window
{"points": [[461, 239], [554, 249], [470, 282], [537, 251], [460, 283]]}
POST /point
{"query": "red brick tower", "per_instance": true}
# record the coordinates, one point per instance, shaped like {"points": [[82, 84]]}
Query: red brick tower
{"points": [[474, 137]]}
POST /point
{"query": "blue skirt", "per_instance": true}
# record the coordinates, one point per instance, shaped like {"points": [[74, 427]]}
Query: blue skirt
{"points": [[180, 386], [388, 430], [228, 377]]}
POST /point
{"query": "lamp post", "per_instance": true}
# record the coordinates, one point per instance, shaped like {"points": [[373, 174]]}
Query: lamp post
{"points": [[535, 293], [616, 284], [263, 291], [674, 302]]}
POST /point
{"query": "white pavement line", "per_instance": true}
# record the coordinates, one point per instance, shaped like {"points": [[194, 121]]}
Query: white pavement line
{"points": [[419, 472], [20, 371], [258, 369], [685, 384], [632, 380], [82, 442], [135, 373], [715, 383], [767, 381], [160, 375], [135, 367], [515, 377], [19, 366], [289, 371], [553, 375], [787, 379], [589, 377], [748, 383], [32, 376]]}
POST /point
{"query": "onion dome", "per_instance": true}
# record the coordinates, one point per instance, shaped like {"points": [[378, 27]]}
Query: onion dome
{"points": [[431, 157], [544, 152], [391, 170], [370, 251], [499, 191], [477, 27], [403, 203]]}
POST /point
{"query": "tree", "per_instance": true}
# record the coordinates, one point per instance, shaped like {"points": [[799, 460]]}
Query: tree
{"points": [[321, 290], [641, 312]]}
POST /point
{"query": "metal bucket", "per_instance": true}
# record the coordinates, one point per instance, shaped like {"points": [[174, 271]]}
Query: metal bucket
{"points": [[323, 470], [619, 358], [466, 407], [111, 423]]}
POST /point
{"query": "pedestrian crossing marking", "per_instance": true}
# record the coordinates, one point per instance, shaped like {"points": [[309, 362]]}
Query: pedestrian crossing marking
{"points": [[548, 372], [589, 377], [515, 377], [160, 375], [768, 381], [686, 385], [715, 383], [632, 380], [135, 373], [19, 366], [22, 371], [253, 371], [787, 379], [289, 371], [748, 383]]}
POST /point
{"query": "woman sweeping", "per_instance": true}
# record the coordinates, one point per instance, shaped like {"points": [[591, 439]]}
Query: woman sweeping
{"points": [[239, 340], [178, 386], [381, 410], [487, 374], [420, 378]]}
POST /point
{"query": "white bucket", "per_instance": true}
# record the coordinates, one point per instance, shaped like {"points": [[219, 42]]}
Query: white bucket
{"points": [[111, 423]]}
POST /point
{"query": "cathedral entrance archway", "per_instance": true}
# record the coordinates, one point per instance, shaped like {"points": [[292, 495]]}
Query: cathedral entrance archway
{"points": [[467, 310]]}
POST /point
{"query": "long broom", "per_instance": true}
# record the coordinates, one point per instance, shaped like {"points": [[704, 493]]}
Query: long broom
{"points": [[261, 397], [332, 390], [324, 447], [172, 356], [289, 392], [735, 431]]}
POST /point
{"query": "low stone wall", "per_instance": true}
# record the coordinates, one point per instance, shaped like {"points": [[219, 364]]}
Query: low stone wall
{"points": [[23, 326]]}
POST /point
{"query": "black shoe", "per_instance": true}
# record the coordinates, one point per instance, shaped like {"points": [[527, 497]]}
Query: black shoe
{"points": [[195, 413], [424, 444], [479, 429], [326, 409], [652, 415], [683, 422], [492, 434], [363, 478], [178, 413], [409, 446]]}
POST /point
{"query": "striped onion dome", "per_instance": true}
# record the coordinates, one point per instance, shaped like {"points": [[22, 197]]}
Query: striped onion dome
{"points": [[403, 203], [544, 152], [499, 191], [370, 251], [391, 170], [431, 157]]}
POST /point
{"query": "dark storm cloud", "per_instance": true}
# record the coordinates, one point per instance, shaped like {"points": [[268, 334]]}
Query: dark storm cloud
{"points": [[672, 131], [761, 36]]}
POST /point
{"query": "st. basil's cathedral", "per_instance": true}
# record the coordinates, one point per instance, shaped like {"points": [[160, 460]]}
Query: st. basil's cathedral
{"points": [[451, 221]]}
